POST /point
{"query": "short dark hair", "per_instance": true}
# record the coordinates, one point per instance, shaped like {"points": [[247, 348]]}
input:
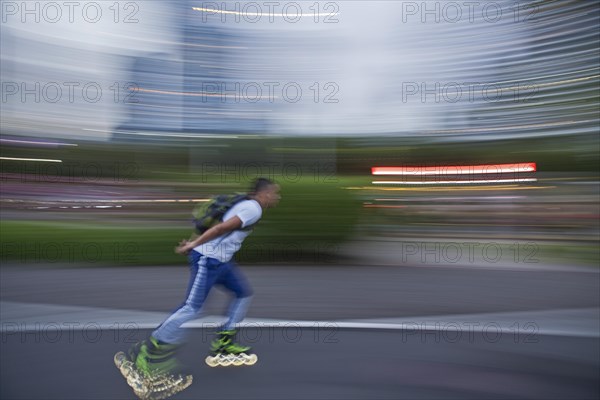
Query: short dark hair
{"points": [[260, 184]]}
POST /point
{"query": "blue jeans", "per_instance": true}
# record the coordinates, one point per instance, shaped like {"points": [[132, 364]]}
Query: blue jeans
{"points": [[205, 273]]}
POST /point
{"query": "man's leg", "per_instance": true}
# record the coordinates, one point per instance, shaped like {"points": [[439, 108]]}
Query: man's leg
{"points": [[201, 280], [156, 353], [234, 280]]}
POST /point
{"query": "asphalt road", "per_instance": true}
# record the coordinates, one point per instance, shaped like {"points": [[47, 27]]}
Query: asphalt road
{"points": [[311, 364], [331, 362], [314, 292]]}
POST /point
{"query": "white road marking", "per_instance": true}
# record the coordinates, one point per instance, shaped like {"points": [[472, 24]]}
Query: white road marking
{"points": [[30, 317]]}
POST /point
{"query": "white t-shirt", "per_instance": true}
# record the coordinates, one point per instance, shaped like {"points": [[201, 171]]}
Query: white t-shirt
{"points": [[224, 247]]}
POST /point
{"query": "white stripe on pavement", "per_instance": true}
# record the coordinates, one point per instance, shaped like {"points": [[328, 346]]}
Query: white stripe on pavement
{"points": [[32, 317]]}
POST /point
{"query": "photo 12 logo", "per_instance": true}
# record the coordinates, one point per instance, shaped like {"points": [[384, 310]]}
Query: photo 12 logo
{"points": [[454, 92], [24, 171], [289, 172], [452, 12], [469, 332], [53, 12], [269, 11], [466, 253], [284, 332], [69, 332], [71, 92], [69, 252], [267, 91]]}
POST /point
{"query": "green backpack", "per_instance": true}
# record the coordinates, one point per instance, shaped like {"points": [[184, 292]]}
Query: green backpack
{"points": [[210, 213]]}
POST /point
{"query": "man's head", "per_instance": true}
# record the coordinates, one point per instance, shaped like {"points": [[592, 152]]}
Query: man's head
{"points": [[266, 192]]}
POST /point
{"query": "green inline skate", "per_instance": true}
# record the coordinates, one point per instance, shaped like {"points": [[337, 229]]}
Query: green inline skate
{"points": [[224, 352], [152, 370]]}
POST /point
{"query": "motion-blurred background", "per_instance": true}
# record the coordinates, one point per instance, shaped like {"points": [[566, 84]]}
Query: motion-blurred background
{"points": [[117, 118], [438, 231]]}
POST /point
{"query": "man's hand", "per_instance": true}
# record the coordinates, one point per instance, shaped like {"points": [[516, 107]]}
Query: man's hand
{"points": [[218, 230], [183, 247]]}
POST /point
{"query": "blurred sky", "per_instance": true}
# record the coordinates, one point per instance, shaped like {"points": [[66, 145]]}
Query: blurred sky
{"points": [[500, 68]]}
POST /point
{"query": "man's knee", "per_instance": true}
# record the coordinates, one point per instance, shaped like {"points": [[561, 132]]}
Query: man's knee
{"points": [[244, 292]]}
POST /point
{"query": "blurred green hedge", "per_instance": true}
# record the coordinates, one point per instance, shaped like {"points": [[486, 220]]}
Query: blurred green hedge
{"points": [[310, 222], [315, 216]]}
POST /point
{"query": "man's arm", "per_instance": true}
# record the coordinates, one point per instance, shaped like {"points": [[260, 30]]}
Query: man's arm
{"points": [[218, 230]]}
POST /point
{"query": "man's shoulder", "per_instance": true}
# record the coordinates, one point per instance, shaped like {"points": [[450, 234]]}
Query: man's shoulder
{"points": [[248, 211], [248, 204]]}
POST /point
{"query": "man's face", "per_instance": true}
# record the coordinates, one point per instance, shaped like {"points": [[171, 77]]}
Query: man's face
{"points": [[271, 195]]}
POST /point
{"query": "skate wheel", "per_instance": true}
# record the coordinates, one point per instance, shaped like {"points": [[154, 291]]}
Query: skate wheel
{"points": [[142, 392], [169, 386], [120, 359], [251, 359], [239, 360], [135, 382], [211, 361], [226, 361], [126, 369]]}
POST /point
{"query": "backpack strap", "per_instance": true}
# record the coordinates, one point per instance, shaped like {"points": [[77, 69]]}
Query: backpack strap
{"points": [[238, 198]]}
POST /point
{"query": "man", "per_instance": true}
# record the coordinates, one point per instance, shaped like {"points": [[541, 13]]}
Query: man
{"points": [[210, 256]]}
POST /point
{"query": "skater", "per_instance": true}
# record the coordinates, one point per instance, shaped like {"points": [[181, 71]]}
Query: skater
{"points": [[210, 256]]}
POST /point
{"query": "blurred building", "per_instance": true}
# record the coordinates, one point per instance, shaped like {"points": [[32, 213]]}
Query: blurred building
{"points": [[147, 98], [199, 93], [401, 69]]}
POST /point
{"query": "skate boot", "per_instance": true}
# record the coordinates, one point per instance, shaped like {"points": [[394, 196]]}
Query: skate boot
{"points": [[225, 352], [135, 378], [162, 373]]}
